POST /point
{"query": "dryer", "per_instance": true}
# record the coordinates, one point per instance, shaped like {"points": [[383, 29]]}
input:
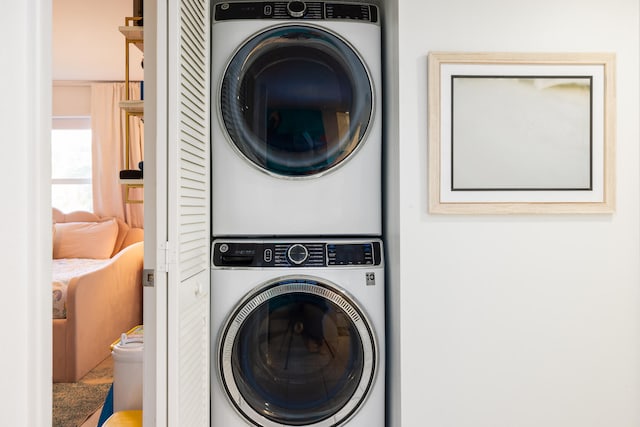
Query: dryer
{"points": [[298, 333], [296, 127]]}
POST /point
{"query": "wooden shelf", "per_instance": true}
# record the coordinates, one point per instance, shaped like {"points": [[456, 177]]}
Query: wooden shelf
{"points": [[133, 34], [132, 107], [132, 182]]}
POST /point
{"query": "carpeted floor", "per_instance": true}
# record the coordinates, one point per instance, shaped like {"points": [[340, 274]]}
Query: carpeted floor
{"points": [[73, 403]]}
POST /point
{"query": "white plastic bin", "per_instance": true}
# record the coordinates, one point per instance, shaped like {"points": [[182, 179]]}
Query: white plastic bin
{"points": [[127, 374]]}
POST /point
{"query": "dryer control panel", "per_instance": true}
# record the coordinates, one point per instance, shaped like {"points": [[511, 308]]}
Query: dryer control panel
{"points": [[295, 10], [296, 254]]}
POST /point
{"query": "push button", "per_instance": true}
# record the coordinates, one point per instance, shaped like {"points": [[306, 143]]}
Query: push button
{"points": [[267, 255]]}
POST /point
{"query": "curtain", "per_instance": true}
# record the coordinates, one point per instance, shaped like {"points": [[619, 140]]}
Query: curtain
{"points": [[108, 145]]}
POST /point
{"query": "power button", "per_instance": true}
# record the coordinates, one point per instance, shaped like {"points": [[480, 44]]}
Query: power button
{"points": [[267, 255], [268, 10]]}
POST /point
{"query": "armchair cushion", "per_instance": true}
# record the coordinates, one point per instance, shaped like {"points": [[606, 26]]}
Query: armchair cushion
{"points": [[85, 239]]}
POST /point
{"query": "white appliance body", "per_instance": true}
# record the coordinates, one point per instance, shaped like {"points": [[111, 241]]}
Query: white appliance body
{"points": [[302, 344], [323, 75]]}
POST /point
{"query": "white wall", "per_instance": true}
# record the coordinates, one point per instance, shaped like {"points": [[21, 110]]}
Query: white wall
{"points": [[25, 388], [86, 42], [517, 320], [71, 99]]}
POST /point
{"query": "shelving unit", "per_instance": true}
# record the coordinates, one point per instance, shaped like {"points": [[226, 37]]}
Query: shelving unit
{"points": [[134, 35]]}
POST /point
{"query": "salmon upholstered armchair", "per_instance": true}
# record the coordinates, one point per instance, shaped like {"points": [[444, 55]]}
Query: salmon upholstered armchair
{"points": [[97, 289]]}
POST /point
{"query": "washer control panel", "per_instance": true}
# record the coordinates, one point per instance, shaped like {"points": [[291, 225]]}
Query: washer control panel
{"points": [[296, 254], [295, 10]]}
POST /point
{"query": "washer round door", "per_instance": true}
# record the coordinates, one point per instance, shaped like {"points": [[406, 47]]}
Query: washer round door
{"points": [[297, 352], [296, 101]]}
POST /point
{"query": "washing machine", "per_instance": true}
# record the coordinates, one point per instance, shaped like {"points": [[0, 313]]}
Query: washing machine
{"points": [[298, 333], [296, 126]]}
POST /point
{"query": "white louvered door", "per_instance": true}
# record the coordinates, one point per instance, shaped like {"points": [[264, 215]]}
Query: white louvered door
{"points": [[188, 215]]}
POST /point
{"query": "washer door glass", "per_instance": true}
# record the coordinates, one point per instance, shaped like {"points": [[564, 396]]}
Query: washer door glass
{"points": [[297, 353], [296, 101]]}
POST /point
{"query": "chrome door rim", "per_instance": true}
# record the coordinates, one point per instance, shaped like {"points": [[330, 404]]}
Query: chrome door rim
{"points": [[289, 285], [362, 141]]}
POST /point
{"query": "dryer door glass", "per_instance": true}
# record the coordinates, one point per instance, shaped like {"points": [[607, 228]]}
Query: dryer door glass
{"points": [[296, 101], [297, 353]]}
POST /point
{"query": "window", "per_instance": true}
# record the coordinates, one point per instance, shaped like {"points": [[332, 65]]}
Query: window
{"points": [[71, 164]]}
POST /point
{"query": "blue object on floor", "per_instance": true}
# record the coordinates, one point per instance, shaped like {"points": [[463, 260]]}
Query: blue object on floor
{"points": [[107, 409]]}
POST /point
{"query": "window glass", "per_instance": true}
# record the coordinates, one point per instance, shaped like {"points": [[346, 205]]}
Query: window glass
{"points": [[71, 164]]}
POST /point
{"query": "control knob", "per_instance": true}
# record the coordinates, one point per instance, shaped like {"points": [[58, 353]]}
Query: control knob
{"points": [[296, 9], [297, 254]]}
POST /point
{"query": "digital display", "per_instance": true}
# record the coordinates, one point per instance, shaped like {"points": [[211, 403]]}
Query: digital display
{"points": [[356, 254], [242, 10], [350, 11]]}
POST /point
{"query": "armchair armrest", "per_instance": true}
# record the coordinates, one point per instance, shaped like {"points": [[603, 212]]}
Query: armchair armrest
{"points": [[100, 306]]}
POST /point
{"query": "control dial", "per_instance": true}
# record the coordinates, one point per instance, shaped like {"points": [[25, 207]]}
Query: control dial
{"points": [[297, 254], [296, 9]]}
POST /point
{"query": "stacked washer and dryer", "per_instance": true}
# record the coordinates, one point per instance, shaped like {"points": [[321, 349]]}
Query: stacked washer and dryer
{"points": [[298, 291]]}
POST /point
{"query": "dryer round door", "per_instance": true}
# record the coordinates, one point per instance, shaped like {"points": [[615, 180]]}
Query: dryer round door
{"points": [[296, 101], [297, 352]]}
